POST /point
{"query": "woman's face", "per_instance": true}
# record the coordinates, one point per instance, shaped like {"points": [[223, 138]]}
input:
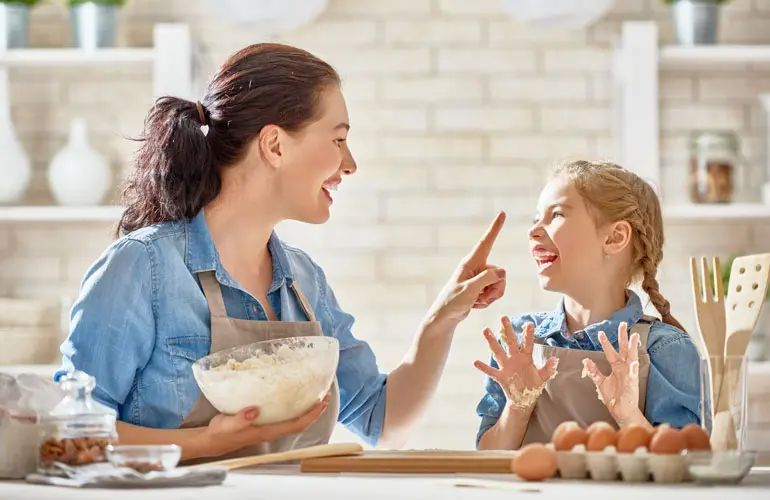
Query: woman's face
{"points": [[564, 240], [314, 160]]}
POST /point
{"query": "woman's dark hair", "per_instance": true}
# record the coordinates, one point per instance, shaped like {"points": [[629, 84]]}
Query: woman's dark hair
{"points": [[177, 166]]}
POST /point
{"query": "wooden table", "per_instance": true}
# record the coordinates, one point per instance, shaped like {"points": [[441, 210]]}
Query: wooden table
{"points": [[287, 483]]}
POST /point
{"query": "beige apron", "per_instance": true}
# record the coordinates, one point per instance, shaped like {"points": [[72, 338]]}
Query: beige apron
{"points": [[230, 332], [569, 396]]}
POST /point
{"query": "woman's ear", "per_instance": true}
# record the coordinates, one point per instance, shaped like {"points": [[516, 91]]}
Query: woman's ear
{"points": [[269, 145], [618, 237]]}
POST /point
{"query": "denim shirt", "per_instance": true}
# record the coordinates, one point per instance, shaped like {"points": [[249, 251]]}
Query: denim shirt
{"points": [[673, 387], [141, 320]]}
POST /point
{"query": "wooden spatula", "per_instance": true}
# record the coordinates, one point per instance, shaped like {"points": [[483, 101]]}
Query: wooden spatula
{"points": [[749, 277], [748, 287], [709, 305], [323, 450], [710, 315]]}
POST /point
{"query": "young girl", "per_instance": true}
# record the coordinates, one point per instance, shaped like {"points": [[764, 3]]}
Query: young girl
{"points": [[598, 229]]}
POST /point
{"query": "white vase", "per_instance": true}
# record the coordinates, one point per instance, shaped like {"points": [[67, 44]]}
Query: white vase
{"points": [[79, 175], [15, 169]]}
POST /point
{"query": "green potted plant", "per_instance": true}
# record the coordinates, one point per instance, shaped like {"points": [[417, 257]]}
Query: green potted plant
{"points": [[15, 15], [758, 345], [696, 21], [94, 22]]}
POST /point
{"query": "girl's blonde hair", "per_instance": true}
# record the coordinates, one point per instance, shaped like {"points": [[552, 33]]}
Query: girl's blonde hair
{"points": [[613, 193]]}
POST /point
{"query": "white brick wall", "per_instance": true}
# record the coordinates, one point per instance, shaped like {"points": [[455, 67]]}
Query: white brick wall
{"points": [[457, 111]]}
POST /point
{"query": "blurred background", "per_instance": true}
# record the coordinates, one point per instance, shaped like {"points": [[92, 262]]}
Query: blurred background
{"points": [[459, 108]]}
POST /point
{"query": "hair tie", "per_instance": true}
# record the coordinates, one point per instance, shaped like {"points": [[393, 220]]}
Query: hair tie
{"points": [[202, 116]]}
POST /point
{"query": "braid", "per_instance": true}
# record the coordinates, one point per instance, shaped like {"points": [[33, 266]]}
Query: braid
{"points": [[649, 251]]}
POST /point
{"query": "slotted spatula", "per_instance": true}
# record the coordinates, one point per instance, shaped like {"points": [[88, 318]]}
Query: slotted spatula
{"points": [[749, 277], [748, 287]]}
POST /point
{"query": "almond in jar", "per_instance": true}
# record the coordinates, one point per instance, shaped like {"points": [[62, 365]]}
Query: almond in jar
{"points": [[715, 167], [78, 431]]}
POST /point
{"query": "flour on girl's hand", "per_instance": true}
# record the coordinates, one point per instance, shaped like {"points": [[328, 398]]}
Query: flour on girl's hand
{"points": [[523, 399], [586, 373]]}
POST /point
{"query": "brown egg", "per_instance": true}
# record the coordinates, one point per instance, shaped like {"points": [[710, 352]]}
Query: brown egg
{"points": [[632, 437], [600, 424], [534, 462], [667, 441], [569, 435], [561, 428], [601, 438], [695, 437]]}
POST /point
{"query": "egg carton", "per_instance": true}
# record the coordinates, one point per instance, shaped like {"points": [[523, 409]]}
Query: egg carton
{"points": [[609, 465]]}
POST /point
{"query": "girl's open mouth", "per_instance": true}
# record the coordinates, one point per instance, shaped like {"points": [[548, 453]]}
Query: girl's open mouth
{"points": [[545, 260]]}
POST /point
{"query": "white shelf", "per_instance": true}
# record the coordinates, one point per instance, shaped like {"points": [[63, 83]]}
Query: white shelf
{"points": [[76, 57], [60, 214], [715, 211], [682, 57]]}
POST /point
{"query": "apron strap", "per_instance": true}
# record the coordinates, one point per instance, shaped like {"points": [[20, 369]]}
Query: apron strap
{"points": [[303, 301], [642, 327], [213, 293]]}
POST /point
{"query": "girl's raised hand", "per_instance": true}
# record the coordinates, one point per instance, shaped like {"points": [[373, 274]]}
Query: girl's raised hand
{"points": [[518, 376], [619, 391]]}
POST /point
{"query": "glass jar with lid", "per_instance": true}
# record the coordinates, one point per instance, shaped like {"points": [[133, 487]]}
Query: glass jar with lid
{"points": [[715, 167], [79, 429]]}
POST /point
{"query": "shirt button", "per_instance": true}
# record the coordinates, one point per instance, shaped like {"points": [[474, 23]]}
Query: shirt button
{"points": [[580, 336], [254, 309]]}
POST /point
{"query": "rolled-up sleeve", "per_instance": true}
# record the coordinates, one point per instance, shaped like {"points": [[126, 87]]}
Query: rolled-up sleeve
{"points": [[491, 405], [673, 387], [361, 384], [112, 327]]}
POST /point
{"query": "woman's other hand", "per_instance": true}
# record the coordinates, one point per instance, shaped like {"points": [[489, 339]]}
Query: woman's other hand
{"points": [[228, 433]]}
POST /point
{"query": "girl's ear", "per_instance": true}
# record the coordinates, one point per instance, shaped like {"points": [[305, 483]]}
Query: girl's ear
{"points": [[618, 237]]}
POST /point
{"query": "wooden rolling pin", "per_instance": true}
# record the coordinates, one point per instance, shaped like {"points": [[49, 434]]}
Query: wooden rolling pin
{"points": [[323, 450]]}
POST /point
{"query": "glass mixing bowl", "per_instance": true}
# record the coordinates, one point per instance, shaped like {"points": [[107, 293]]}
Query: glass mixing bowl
{"points": [[284, 378], [719, 467]]}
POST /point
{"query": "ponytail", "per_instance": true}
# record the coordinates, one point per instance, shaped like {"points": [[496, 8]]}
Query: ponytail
{"points": [[175, 175]]}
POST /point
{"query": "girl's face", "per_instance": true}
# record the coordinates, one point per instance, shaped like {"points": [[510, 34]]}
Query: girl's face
{"points": [[314, 160], [564, 240]]}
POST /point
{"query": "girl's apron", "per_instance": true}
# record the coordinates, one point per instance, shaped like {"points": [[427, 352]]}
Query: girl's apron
{"points": [[230, 332], [569, 396]]}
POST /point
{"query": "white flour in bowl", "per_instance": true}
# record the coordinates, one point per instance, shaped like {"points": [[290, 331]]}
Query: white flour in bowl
{"points": [[284, 384]]}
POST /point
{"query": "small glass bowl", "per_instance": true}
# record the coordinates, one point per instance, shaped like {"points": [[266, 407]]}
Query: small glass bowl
{"points": [[145, 459], [719, 467]]}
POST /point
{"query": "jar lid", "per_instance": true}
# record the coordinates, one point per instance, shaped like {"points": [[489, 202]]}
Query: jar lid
{"points": [[714, 139], [78, 403]]}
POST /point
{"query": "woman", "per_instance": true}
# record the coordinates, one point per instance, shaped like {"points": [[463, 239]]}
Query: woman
{"points": [[201, 268]]}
